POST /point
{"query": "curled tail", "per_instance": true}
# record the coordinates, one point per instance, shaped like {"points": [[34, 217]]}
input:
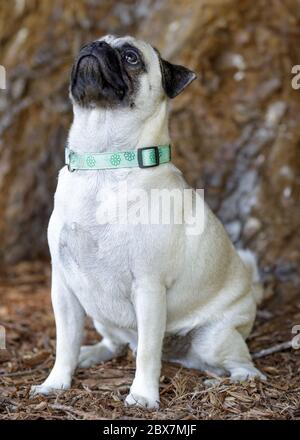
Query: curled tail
{"points": [[249, 260]]}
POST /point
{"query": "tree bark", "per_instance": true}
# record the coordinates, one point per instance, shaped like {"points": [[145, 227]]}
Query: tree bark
{"points": [[235, 130]]}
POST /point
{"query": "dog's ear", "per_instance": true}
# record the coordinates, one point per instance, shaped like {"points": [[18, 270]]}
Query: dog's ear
{"points": [[175, 78]]}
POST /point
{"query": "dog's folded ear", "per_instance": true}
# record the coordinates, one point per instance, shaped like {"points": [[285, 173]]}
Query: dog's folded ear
{"points": [[175, 78]]}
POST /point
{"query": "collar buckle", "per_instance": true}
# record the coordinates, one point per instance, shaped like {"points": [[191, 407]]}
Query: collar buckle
{"points": [[155, 157], [68, 159]]}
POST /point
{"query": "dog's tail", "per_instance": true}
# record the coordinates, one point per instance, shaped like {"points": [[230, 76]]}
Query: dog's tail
{"points": [[250, 262]]}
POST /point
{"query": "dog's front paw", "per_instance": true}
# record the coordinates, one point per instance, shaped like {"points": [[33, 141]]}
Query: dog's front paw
{"points": [[147, 402], [46, 389]]}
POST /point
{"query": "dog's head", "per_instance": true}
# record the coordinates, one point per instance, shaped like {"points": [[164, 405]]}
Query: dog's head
{"points": [[124, 72]]}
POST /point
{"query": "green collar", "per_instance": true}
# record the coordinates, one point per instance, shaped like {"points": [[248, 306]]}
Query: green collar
{"points": [[142, 157]]}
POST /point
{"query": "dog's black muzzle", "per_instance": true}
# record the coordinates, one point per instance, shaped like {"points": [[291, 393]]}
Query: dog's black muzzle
{"points": [[97, 75]]}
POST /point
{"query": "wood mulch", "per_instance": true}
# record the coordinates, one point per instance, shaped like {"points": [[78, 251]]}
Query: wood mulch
{"points": [[99, 393]]}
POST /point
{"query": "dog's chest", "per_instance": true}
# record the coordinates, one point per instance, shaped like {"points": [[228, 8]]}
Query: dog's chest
{"points": [[93, 256]]}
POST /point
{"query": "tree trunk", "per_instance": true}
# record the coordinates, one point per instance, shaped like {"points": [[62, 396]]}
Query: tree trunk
{"points": [[235, 130]]}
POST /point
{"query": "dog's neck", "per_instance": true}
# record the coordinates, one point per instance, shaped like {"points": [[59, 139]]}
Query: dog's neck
{"points": [[97, 130]]}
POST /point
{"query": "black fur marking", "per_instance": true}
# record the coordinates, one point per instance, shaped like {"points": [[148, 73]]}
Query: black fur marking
{"points": [[175, 78], [98, 76], [141, 66], [133, 72], [101, 75]]}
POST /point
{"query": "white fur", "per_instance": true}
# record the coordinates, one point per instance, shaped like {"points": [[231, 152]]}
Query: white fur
{"points": [[141, 282]]}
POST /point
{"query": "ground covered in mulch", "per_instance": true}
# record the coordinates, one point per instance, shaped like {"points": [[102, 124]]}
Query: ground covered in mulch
{"points": [[98, 393]]}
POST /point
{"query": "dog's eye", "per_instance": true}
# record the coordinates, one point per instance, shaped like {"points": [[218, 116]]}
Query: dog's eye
{"points": [[131, 57]]}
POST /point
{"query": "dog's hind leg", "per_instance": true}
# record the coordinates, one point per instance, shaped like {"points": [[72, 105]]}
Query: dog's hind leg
{"points": [[219, 347], [112, 345]]}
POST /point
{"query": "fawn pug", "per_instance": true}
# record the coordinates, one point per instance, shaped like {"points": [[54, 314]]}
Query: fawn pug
{"points": [[167, 294]]}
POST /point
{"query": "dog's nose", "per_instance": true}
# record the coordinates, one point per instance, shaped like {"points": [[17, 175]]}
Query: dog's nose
{"points": [[94, 46], [99, 45]]}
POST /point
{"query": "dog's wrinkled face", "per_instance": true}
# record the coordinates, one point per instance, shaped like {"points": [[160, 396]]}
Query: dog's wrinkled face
{"points": [[124, 72]]}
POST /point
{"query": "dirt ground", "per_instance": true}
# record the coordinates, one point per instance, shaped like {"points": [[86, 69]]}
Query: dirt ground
{"points": [[98, 393]]}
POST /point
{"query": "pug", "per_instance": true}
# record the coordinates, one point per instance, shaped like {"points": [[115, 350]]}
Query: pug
{"points": [[166, 294]]}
